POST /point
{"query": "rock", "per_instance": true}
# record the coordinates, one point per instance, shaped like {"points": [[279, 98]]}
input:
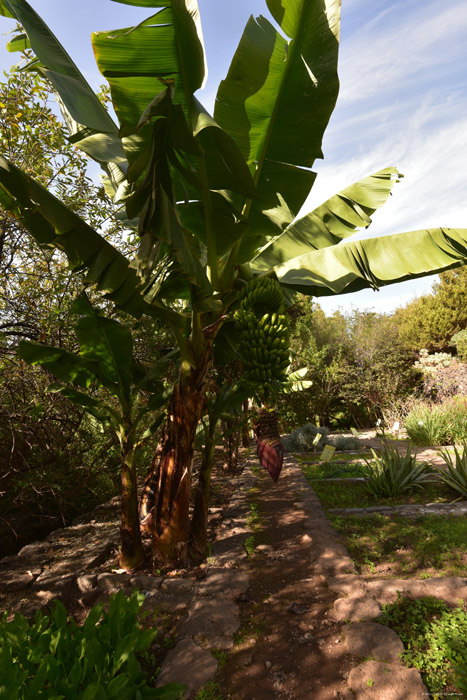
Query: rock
{"points": [[308, 637], [297, 609], [356, 607], [177, 586], [374, 680], [332, 566], [102, 555], [146, 583], [223, 582], [346, 584], [213, 621], [268, 664], [86, 582], [365, 639], [263, 548], [90, 598], [188, 664], [112, 583]]}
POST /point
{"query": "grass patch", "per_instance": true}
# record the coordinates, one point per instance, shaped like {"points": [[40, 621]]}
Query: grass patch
{"points": [[354, 495], [333, 470], [414, 546], [211, 691], [435, 638]]}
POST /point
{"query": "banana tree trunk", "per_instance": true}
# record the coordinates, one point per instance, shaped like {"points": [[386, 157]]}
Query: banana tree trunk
{"points": [[199, 521], [166, 495], [131, 553]]}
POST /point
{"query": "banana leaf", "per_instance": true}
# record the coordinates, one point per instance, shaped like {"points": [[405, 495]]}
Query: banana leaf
{"points": [[374, 262]]}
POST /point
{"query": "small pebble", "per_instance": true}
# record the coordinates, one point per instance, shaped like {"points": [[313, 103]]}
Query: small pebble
{"points": [[308, 636], [268, 664]]}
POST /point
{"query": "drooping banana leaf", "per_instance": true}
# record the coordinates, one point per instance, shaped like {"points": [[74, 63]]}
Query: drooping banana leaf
{"points": [[63, 364], [337, 218], [374, 262], [52, 223], [91, 127], [276, 102]]}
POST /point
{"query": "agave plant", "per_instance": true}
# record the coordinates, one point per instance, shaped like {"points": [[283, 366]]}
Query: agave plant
{"points": [[213, 199], [390, 473], [456, 474]]}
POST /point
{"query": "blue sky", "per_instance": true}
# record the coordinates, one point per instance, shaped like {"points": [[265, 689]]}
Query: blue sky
{"points": [[402, 102]]}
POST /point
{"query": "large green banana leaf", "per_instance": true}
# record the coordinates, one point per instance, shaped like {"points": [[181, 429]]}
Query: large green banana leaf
{"points": [[374, 262], [276, 102], [53, 224], [337, 218], [91, 128]]}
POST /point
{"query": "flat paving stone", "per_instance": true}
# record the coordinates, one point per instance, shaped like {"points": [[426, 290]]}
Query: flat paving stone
{"points": [[365, 639], [187, 663], [374, 680], [356, 607]]}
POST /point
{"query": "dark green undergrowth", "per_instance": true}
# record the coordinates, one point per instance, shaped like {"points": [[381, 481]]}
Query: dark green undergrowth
{"points": [[55, 659], [354, 495], [435, 639], [428, 545]]}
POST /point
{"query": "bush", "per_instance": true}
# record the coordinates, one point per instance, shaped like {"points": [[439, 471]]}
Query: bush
{"points": [[390, 474], [341, 442], [54, 658], [460, 341], [302, 439], [440, 424]]}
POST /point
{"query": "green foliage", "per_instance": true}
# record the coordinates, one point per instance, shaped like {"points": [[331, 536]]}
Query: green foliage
{"points": [[438, 424], [435, 638], [345, 443], [221, 657], [211, 691], [54, 658], [250, 545], [456, 474], [460, 341], [431, 321], [305, 439], [413, 545], [390, 473]]}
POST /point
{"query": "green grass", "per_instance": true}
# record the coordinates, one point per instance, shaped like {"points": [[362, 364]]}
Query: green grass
{"points": [[416, 544], [332, 470], [211, 691], [435, 638], [354, 495]]}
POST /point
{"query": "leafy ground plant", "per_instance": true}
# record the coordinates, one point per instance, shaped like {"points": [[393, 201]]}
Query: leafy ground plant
{"points": [[456, 474], [435, 638], [428, 546], [390, 473], [438, 424], [55, 658]]}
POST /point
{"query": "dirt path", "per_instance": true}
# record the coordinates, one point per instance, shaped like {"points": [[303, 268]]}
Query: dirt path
{"points": [[288, 645]]}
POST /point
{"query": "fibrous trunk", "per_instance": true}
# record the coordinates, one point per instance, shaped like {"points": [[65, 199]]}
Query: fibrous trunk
{"points": [[199, 521], [166, 495], [131, 553]]}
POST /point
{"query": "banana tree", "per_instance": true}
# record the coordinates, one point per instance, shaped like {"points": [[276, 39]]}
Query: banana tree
{"points": [[213, 199], [105, 360]]}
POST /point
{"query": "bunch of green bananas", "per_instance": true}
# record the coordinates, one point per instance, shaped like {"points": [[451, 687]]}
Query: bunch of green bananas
{"points": [[263, 333]]}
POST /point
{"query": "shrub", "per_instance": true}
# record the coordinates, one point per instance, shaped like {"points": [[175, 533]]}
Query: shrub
{"points": [[390, 474], [340, 442], [440, 424], [301, 439], [460, 341], [456, 474], [54, 658], [429, 364]]}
